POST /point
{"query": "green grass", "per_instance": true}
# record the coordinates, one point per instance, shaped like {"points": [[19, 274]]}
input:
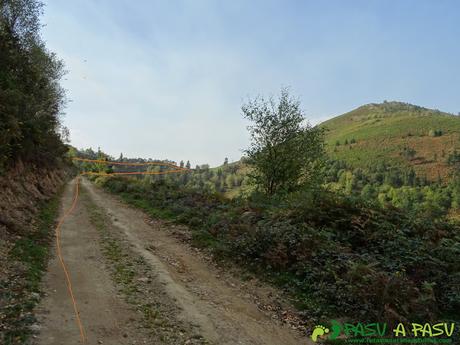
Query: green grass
{"points": [[381, 131], [122, 273], [334, 256], [200, 238], [32, 251], [143, 204]]}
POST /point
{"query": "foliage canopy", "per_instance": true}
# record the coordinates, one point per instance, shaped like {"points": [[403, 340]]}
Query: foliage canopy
{"points": [[285, 150], [31, 99]]}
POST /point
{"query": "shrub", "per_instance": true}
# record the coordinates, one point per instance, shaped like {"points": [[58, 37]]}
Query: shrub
{"points": [[337, 256]]}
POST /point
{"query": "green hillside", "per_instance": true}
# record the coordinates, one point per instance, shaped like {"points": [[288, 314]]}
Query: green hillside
{"points": [[397, 133]]}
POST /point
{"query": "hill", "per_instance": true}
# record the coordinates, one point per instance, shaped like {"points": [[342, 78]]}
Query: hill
{"points": [[395, 133]]}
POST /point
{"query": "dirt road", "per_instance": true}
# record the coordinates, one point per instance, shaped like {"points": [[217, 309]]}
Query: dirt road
{"points": [[137, 281]]}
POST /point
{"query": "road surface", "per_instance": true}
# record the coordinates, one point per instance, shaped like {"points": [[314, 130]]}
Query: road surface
{"points": [[136, 280]]}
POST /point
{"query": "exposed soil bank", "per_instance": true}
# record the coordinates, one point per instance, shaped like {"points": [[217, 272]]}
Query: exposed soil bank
{"points": [[26, 221]]}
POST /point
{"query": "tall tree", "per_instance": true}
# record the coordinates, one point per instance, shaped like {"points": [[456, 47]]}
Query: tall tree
{"points": [[285, 151], [31, 99]]}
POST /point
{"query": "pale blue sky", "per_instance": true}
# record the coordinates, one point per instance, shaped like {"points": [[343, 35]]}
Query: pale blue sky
{"points": [[166, 79]]}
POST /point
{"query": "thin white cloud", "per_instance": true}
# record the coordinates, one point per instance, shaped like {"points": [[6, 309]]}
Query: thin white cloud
{"points": [[166, 79]]}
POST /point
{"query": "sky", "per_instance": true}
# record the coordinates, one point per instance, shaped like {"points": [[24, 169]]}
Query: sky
{"points": [[166, 79]]}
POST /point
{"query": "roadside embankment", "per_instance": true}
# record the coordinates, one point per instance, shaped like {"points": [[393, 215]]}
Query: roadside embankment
{"points": [[28, 209]]}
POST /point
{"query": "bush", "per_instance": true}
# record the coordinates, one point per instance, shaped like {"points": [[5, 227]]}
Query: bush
{"points": [[435, 133], [337, 256]]}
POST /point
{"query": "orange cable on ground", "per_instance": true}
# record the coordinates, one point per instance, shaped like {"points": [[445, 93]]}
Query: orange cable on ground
{"points": [[61, 259], [72, 207]]}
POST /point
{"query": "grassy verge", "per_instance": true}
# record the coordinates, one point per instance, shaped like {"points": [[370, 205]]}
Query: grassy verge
{"points": [[30, 254], [337, 257]]}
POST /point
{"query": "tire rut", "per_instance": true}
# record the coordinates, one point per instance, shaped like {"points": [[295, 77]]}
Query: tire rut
{"points": [[223, 312]]}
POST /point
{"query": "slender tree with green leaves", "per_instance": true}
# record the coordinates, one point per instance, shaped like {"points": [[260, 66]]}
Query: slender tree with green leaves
{"points": [[285, 151]]}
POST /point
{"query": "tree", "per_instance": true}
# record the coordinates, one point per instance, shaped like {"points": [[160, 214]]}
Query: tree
{"points": [[31, 98], [455, 195], [410, 178], [188, 165], [435, 133], [230, 181], [226, 161], [181, 164], [285, 151], [348, 181], [454, 159], [368, 192], [218, 185]]}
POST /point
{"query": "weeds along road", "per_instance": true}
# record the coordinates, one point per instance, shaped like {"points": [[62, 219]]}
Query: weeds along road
{"points": [[136, 281]]}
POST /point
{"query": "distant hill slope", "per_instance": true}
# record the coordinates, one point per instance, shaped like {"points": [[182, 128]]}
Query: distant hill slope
{"points": [[397, 133]]}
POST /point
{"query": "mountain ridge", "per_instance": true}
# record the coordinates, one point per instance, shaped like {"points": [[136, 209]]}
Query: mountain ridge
{"points": [[395, 133]]}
